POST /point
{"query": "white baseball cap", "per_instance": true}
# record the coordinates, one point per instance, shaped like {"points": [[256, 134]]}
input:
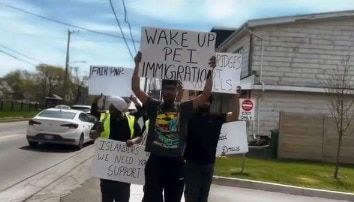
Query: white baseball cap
{"points": [[119, 103]]}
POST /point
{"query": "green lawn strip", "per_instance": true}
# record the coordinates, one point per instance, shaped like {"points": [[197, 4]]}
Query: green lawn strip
{"points": [[297, 173], [17, 114]]}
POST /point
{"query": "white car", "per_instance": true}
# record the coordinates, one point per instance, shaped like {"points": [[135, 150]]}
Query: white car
{"points": [[63, 126]]}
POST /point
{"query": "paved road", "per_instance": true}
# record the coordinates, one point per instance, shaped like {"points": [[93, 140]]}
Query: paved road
{"points": [[19, 161]]}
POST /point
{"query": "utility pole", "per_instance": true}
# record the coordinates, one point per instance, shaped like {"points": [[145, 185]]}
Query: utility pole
{"points": [[67, 59], [67, 55]]}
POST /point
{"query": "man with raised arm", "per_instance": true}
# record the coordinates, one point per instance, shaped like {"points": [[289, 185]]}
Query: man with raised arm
{"points": [[166, 136]]}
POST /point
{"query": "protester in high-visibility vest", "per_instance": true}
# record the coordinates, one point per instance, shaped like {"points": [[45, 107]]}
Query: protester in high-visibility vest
{"points": [[116, 125]]}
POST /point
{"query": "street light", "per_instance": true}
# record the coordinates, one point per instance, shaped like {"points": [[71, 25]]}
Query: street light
{"points": [[75, 78]]}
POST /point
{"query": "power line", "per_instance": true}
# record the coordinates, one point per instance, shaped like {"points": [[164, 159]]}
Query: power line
{"points": [[21, 54], [63, 23], [126, 21], [120, 28], [16, 58]]}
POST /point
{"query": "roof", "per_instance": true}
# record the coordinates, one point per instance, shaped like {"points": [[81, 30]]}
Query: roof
{"points": [[286, 19], [222, 33], [296, 18]]}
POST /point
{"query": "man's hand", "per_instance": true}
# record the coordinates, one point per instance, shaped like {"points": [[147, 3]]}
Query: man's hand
{"points": [[202, 98], [234, 113], [130, 143], [142, 96], [137, 58], [96, 130], [212, 62], [97, 98], [134, 99], [238, 91]]}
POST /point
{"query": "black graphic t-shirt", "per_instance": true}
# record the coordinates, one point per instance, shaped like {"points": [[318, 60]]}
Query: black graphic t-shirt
{"points": [[167, 127]]}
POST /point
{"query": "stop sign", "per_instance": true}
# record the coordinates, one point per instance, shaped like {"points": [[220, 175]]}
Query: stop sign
{"points": [[247, 105]]}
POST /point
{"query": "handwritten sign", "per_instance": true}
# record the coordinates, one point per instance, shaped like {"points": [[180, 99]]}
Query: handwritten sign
{"points": [[232, 139], [113, 160], [110, 81], [247, 109], [226, 74], [176, 54]]}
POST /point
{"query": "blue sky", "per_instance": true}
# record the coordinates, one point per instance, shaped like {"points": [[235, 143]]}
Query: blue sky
{"points": [[45, 42]]}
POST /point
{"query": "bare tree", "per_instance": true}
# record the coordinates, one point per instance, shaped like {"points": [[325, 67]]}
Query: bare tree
{"points": [[339, 86]]}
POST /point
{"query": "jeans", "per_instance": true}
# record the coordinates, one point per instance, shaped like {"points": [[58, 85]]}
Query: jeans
{"points": [[197, 181], [163, 174], [115, 191]]}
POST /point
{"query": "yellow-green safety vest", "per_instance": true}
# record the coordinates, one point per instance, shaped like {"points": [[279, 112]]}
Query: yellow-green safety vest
{"points": [[106, 120]]}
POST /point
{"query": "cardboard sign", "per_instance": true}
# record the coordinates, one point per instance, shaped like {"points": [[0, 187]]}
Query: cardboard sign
{"points": [[110, 81], [226, 76], [176, 54], [247, 109], [114, 160], [232, 139]]}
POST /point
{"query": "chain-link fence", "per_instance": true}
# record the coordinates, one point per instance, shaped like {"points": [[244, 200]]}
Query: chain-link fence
{"points": [[18, 105]]}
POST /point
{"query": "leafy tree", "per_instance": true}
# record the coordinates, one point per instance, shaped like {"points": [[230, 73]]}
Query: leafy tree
{"points": [[22, 83], [50, 79]]}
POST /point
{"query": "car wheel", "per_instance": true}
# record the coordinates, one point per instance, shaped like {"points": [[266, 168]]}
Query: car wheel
{"points": [[32, 143], [81, 142]]}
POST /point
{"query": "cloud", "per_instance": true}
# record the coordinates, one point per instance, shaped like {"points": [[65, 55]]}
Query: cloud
{"points": [[22, 25], [26, 5], [168, 11], [8, 64], [200, 13]]}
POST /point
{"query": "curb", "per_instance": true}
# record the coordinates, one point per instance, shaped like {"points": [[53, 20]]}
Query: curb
{"points": [[287, 189], [4, 120]]}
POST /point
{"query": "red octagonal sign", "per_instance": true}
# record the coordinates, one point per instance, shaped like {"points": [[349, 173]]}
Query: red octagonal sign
{"points": [[247, 105]]}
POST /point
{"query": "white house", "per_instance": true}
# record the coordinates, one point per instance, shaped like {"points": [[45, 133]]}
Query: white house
{"points": [[284, 59]]}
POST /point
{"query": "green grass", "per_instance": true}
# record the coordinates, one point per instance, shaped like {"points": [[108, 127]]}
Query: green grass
{"points": [[24, 114], [297, 173]]}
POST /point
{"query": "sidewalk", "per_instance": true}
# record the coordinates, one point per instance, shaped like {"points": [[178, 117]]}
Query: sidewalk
{"points": [[71, 181], [90, 192]]}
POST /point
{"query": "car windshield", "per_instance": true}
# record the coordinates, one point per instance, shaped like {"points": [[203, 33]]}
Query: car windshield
{"points": [[57, 114]]}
